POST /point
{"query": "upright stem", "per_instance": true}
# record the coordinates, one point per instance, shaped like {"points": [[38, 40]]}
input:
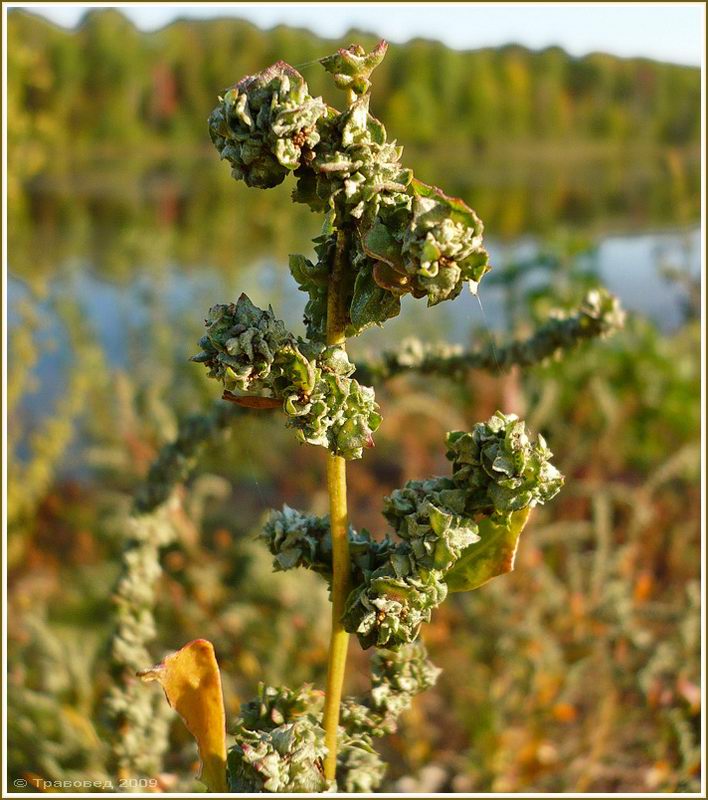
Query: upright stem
{"points": [[339, 523], [339, 639]]}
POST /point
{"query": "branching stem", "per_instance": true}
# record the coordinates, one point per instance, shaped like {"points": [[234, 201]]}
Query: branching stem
{"points": [[337, 489]]}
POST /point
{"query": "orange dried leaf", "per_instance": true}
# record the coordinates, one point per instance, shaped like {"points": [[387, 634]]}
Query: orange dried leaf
{"points": [[192, 684]]}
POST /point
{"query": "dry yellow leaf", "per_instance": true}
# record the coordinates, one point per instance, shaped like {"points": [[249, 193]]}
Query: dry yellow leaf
{"points": [[192, 684]]}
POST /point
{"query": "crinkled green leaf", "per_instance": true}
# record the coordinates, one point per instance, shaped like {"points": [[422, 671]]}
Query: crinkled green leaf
{"points": [[381, 245], [371, 304]]}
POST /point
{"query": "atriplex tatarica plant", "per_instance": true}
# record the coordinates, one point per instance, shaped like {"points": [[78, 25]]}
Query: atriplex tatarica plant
{"points": [[384, 235]]}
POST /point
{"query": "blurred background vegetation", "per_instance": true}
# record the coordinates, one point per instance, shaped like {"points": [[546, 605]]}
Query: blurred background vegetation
{"points": [[578, 672]]}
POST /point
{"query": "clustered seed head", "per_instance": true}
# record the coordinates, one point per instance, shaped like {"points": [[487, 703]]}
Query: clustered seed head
{"points": [[496, 470], [241, 346], [280, 740], [266, 125], [388, 610], [407, 237], [296, 539], [600, 313], [429, 247], [352, 66], [250, 351], [287, 758], [501, 469], [398, 676], [442, 245], [355, 169], [430, 516], [276, 705]]}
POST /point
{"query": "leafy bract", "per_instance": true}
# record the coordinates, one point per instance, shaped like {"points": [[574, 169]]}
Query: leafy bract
{"points": [[489, 557]]}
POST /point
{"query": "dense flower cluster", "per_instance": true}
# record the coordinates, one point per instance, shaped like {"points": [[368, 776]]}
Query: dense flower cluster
{"points": [[177, 459], [355, 170], [392, 593], [430, 516], [600, 314], [388, 610], [352, 66], [405, 237], [430, 246], [397, 677], [266, 125], [280, 741], [496, 470], [304, 540], [411, 238], [248, 350], [442, 245], [359, 767], [501, 469], [276, 705], [287, 758]]}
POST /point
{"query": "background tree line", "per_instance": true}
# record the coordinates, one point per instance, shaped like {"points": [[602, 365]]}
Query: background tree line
{"points": [[106, 86]]}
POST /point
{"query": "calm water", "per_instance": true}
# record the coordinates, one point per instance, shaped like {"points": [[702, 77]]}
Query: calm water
{"points": [[127, 249]]}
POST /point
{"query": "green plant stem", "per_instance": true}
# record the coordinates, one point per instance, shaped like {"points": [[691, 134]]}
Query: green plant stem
{"points": [[337, 489], [339, 638]]}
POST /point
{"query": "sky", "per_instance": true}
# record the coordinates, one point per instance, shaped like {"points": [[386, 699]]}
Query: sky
{"points": [[663, 31]]}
